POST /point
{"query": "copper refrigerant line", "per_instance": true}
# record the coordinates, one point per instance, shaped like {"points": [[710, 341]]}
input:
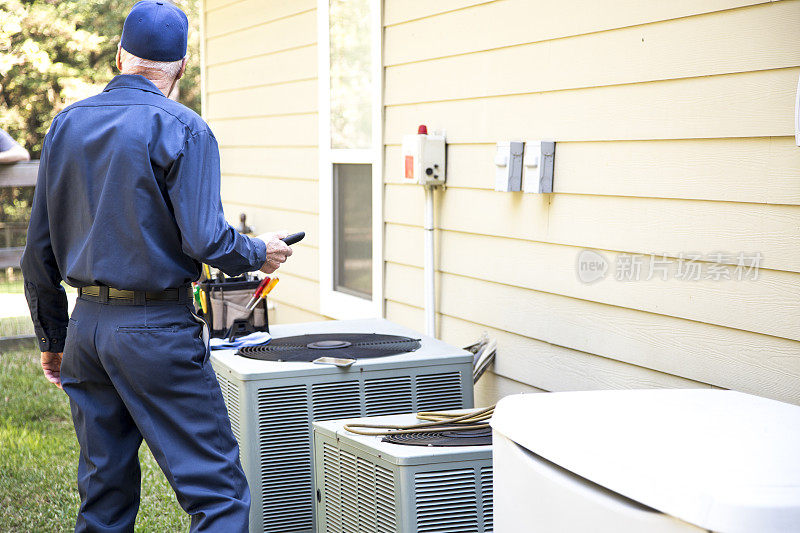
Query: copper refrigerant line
{"points": [[435, 422]]}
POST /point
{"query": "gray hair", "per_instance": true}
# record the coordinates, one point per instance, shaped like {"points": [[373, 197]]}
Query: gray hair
{"points": [[170, 69]]}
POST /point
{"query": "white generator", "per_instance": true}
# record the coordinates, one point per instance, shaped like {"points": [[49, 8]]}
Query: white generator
{"points": [[366, 485], [271, 403], [661, 461]]}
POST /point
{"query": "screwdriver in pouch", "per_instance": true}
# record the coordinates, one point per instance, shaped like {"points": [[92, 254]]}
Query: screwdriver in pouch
{"points": [[263, 293], [257, 293], [268, 283]]}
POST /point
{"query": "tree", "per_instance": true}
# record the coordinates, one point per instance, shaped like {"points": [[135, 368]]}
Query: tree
{"points": [[56, 52]]}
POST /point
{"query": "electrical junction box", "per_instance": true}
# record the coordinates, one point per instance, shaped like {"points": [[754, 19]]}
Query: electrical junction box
{"points": [[424, 158], [538, 166], [508, 166]]}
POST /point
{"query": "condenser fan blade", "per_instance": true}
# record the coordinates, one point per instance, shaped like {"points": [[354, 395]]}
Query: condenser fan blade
{"points": [[465, 437], [306, 348]]}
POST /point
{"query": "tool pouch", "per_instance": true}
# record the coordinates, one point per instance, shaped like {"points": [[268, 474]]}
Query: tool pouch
{"points": [[227, 300]]}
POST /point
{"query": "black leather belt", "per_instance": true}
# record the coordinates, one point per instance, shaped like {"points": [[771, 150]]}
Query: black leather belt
{"points": [[110, 295]]}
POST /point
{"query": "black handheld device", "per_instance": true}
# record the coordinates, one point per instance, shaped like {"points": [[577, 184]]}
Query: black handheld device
{"points": [[294, 238]]}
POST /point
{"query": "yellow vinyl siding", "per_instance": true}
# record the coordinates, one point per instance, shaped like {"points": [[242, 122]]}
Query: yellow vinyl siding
{"points": [[269, 161], [274, 218], [726, 357], [399, 12], [674, 130], [625, 224], [288, 65], [492, 386], [271, 192], [673, 122], [249, 13], [752, 170], [287, 98], [546, 267], [286, 313], [282, 130], [261, 102], [554, 367], [504, 23], [754, 38], [269, 37], [213, 5], [749, 104]]}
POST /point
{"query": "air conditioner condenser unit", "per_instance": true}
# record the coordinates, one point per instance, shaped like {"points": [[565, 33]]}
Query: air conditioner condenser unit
{"points": [[660, 461], [272, 403], [367, 485]]}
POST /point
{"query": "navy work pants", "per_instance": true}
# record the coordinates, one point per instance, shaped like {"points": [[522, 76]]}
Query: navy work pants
{"points": [[134, 372]]}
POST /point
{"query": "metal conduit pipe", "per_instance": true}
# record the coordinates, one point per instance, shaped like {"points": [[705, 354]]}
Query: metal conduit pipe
{"points": [[430, 269]]}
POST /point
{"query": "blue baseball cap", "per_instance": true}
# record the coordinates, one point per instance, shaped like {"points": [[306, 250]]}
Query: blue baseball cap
{"points": [[156, 30]]}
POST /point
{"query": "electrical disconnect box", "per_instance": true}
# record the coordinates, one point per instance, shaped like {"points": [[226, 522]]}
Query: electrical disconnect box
{"points": [[424, 158], [508, 166], [538, 166]]}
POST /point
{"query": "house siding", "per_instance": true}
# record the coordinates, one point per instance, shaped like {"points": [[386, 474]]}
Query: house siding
{"points": [[260, 99], [674, 129]]}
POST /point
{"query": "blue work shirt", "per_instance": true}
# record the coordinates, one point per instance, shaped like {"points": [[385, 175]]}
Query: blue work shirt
{"points": [[128, 196]]}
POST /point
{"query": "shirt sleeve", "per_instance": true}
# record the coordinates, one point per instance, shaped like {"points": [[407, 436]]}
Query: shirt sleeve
{"points": [[46, 297], [6, 141], [193, 185]]}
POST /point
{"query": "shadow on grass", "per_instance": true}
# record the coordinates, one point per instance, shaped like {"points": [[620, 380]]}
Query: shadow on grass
{"points": [[39, 458]]}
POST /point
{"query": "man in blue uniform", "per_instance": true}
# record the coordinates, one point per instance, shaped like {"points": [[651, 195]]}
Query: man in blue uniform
{"points": [[127, 206]]}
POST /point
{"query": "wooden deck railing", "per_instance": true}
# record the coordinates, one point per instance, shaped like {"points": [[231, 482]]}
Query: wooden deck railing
{"points": [[19, 174], [15, 175]]}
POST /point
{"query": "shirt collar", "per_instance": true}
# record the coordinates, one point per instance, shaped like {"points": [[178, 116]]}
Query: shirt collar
{"points": [[132, 81]]}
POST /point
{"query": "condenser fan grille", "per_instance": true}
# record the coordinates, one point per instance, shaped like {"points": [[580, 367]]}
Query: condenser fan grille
{"points": [[467, 437], [306, 348]]}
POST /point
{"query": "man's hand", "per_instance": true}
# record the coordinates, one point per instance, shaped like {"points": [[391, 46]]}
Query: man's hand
{"points": [[51, 364], [277, 251]]}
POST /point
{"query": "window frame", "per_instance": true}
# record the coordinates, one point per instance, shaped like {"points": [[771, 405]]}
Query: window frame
{"points": [[337, 304]]}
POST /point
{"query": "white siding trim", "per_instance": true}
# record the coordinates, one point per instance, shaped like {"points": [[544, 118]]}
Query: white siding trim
{"points": [[332, 303], [378, 165]]}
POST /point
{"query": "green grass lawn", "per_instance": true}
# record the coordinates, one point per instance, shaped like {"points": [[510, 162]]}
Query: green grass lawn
{"points": [[16, 325], [39, 458], [12, 287]]}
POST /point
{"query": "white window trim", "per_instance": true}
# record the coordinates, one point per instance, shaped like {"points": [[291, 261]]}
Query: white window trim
{"points": [[333, 303]]}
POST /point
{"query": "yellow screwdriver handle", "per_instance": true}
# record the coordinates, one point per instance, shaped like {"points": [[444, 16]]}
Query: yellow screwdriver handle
{"points": [[270, 286]]}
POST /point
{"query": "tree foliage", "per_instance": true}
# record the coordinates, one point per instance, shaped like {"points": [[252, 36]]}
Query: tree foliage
{"points": [[56, 52]]}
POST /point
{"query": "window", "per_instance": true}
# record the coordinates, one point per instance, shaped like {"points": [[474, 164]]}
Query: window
{"points": [[350, 151], [350, 74], [352, 219]]}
